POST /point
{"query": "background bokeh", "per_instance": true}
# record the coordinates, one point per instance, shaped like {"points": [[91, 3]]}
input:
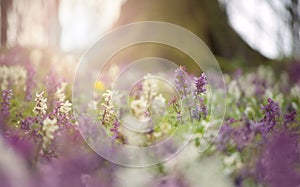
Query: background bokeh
{"points": [[256, 43]]}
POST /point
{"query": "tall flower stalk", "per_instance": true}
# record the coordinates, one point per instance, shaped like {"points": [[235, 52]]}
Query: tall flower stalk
{"points": [[200, 89], [48, 130], [107, 114], [272, 112], [182, 82], [41, 107]]}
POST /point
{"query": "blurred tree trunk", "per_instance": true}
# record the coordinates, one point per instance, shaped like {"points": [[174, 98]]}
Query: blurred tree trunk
{"points": [[53, 25], [293, 9], [205, 18], [5, 6]]}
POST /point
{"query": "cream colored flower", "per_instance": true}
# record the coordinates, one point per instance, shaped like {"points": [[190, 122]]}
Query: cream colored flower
{"points": [[65, 107], [41, 104], [48, 129], [107, 112], [150, 87], [158, 105], [139, 108], [234, 90], [59, 94], [295, 91], [14, 75], [232, 162]]}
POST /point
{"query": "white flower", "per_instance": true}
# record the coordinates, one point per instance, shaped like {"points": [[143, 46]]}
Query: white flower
{"points": [[65, 107], [18, 75], [3, 77], [295, 91], [159, 102], [266, 73], [41, 104], [107, 111], [48, 129], [14, 75], [234, 90], [139, 108], [231, 162], [157, 134], [59, 94], [249, 111], [150, 87], [244, 83], [166, 127], [158, 105]]}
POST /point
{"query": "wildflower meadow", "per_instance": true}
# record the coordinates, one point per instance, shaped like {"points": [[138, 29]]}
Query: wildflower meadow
{"points": [[41, 143]]}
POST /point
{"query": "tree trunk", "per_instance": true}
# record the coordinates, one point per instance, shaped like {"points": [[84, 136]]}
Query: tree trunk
{"points": [[5, 6], [205, 18], [54, 27], [294, 13]]}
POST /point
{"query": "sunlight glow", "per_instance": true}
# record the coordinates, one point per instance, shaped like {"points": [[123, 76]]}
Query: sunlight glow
{"points": [[84, 22], [260, 26]]}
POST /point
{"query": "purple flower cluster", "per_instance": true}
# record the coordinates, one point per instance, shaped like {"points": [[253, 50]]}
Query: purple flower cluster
{"points": [[272, 112], [277, 165], [26, 123], [52, 82], [196, 112], [182, 82], [290, 117], [199, 107], [6, 96], [241, 135], [260, 86], [200, 83]]}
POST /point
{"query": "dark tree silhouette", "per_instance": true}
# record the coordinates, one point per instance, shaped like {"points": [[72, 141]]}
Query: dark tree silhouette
{"points": [[293, 9], [5, 8], [205, 18]]}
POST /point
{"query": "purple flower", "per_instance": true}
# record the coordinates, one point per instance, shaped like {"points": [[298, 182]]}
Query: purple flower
{"points": [[52, 82], [244, 135], [26, 123], [4, 179], [290, 117], [260, 86], [277, 165], [225, 134], [272, 112], [77, 169], [115, 129], [199, 107], [22, 145], [238, 73], [182, 81], [6, 96], [196, 112], [237, 136], [200, 83], [294, 70]]}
